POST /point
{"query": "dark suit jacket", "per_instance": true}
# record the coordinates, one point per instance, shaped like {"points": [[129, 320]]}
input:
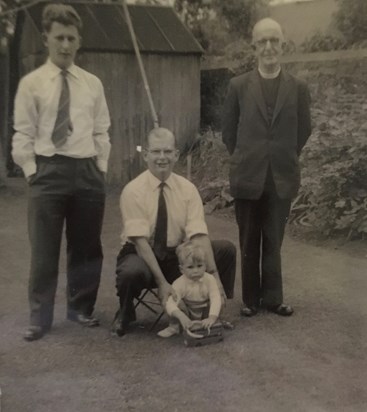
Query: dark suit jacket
{"points": [[254, 143]]}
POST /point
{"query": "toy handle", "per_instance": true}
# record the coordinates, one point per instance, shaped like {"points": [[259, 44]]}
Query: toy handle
{"points": [[193, 334]]}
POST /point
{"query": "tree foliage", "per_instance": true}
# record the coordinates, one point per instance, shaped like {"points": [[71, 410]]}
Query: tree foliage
{"points": [[321, 42], [8, 9], [241, 15], [216, 23], [351, 20]]}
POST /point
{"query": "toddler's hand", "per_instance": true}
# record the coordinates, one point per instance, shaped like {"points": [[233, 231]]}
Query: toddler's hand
{"points": [[208, 322], [186, 323]]}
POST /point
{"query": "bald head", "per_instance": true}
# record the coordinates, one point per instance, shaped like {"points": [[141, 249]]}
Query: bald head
{"points": [[160, 133], [268, 41], [265, 25], [161, 154]]}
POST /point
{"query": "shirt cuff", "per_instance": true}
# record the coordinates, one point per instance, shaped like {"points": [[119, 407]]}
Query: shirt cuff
{"points": [[29, 168], [102, 165], [136, 228], [197, 227]]}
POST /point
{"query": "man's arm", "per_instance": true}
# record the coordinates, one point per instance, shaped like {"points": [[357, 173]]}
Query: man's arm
{"points": [[25, 125], [145, 251], [172, 308], [100, 130], [230, 116], [136, 229], [304, 116]]}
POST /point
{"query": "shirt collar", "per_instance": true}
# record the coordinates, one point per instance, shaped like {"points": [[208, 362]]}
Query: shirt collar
{"points": [[55, 70], [269, 75], [154, 182]]}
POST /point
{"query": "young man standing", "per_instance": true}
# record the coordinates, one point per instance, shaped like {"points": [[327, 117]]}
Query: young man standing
{"points": [[61, 143]]}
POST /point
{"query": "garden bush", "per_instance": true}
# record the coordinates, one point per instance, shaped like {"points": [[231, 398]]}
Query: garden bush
{"points": [[332, 200], [333, 195]]}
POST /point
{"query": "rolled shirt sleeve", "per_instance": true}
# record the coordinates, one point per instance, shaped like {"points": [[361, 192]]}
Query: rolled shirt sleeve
{"points": [[195, 223], [134, 219], [139, 207]]}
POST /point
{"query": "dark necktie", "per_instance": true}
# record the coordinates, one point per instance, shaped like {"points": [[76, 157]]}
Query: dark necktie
{"points": [[160, 237], [63, 126]]}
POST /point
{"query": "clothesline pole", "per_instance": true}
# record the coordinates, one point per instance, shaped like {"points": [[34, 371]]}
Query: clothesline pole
{"points": [[140, 63]]}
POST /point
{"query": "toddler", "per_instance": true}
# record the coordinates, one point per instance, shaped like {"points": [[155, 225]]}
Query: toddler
{"points": [[197, 293]]}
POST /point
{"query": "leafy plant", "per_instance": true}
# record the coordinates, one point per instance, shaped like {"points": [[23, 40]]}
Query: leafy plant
{"points": [[333, 196]]}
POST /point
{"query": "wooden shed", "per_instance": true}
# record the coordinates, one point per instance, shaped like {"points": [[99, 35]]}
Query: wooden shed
{"points": [[171, 57]]}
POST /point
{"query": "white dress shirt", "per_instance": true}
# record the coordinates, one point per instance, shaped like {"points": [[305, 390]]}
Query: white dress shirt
{"points": [[197, 291], [139, 206], [36, 106]]}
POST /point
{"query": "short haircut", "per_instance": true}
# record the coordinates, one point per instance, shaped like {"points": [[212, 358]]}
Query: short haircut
{"points": [[190, 251], [160, 132], [267, 21], [60, 13]]}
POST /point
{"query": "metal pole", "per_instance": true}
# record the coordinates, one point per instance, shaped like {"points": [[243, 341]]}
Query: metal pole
{"points": [[140, 63]]}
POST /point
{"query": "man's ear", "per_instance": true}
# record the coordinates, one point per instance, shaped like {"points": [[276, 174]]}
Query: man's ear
{"points": [[177, 154], [145, 154], [44, 39]]}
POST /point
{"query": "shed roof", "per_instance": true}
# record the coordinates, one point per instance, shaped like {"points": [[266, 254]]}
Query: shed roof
{"points": [[158, 28]]}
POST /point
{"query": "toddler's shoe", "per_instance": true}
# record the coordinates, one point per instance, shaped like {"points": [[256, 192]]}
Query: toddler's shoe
{"points": [[170, 330]]}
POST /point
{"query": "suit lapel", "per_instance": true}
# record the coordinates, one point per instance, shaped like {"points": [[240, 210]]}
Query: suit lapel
{"points": [[255, 89], [282, 94]]}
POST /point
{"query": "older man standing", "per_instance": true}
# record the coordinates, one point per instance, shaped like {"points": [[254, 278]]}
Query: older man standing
{"points": [[160, 210], [266, 123], [62, 145]]}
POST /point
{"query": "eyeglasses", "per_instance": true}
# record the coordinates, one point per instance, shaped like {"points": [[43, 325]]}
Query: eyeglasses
{"points": [[165, 152], [274, 41]]}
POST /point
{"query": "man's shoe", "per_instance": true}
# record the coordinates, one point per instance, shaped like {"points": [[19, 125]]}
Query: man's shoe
{"points": [[248, 311], [118, 327], [281, 310], [83, 319], [34, 333]]}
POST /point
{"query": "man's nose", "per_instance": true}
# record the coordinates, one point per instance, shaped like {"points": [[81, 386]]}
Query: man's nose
{"points": [[65, 44], [268, 44]]}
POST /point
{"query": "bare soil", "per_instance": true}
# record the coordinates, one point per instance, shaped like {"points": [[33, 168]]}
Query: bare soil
{"points": [[314, 361]]}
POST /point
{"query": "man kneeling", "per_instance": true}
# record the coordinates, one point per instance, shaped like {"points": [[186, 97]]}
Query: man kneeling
{"points": [[160, 210]]}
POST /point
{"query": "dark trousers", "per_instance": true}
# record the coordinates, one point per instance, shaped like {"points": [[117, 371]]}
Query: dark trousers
{"points": [[71, 191], [133, 275], [261, 226]]}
